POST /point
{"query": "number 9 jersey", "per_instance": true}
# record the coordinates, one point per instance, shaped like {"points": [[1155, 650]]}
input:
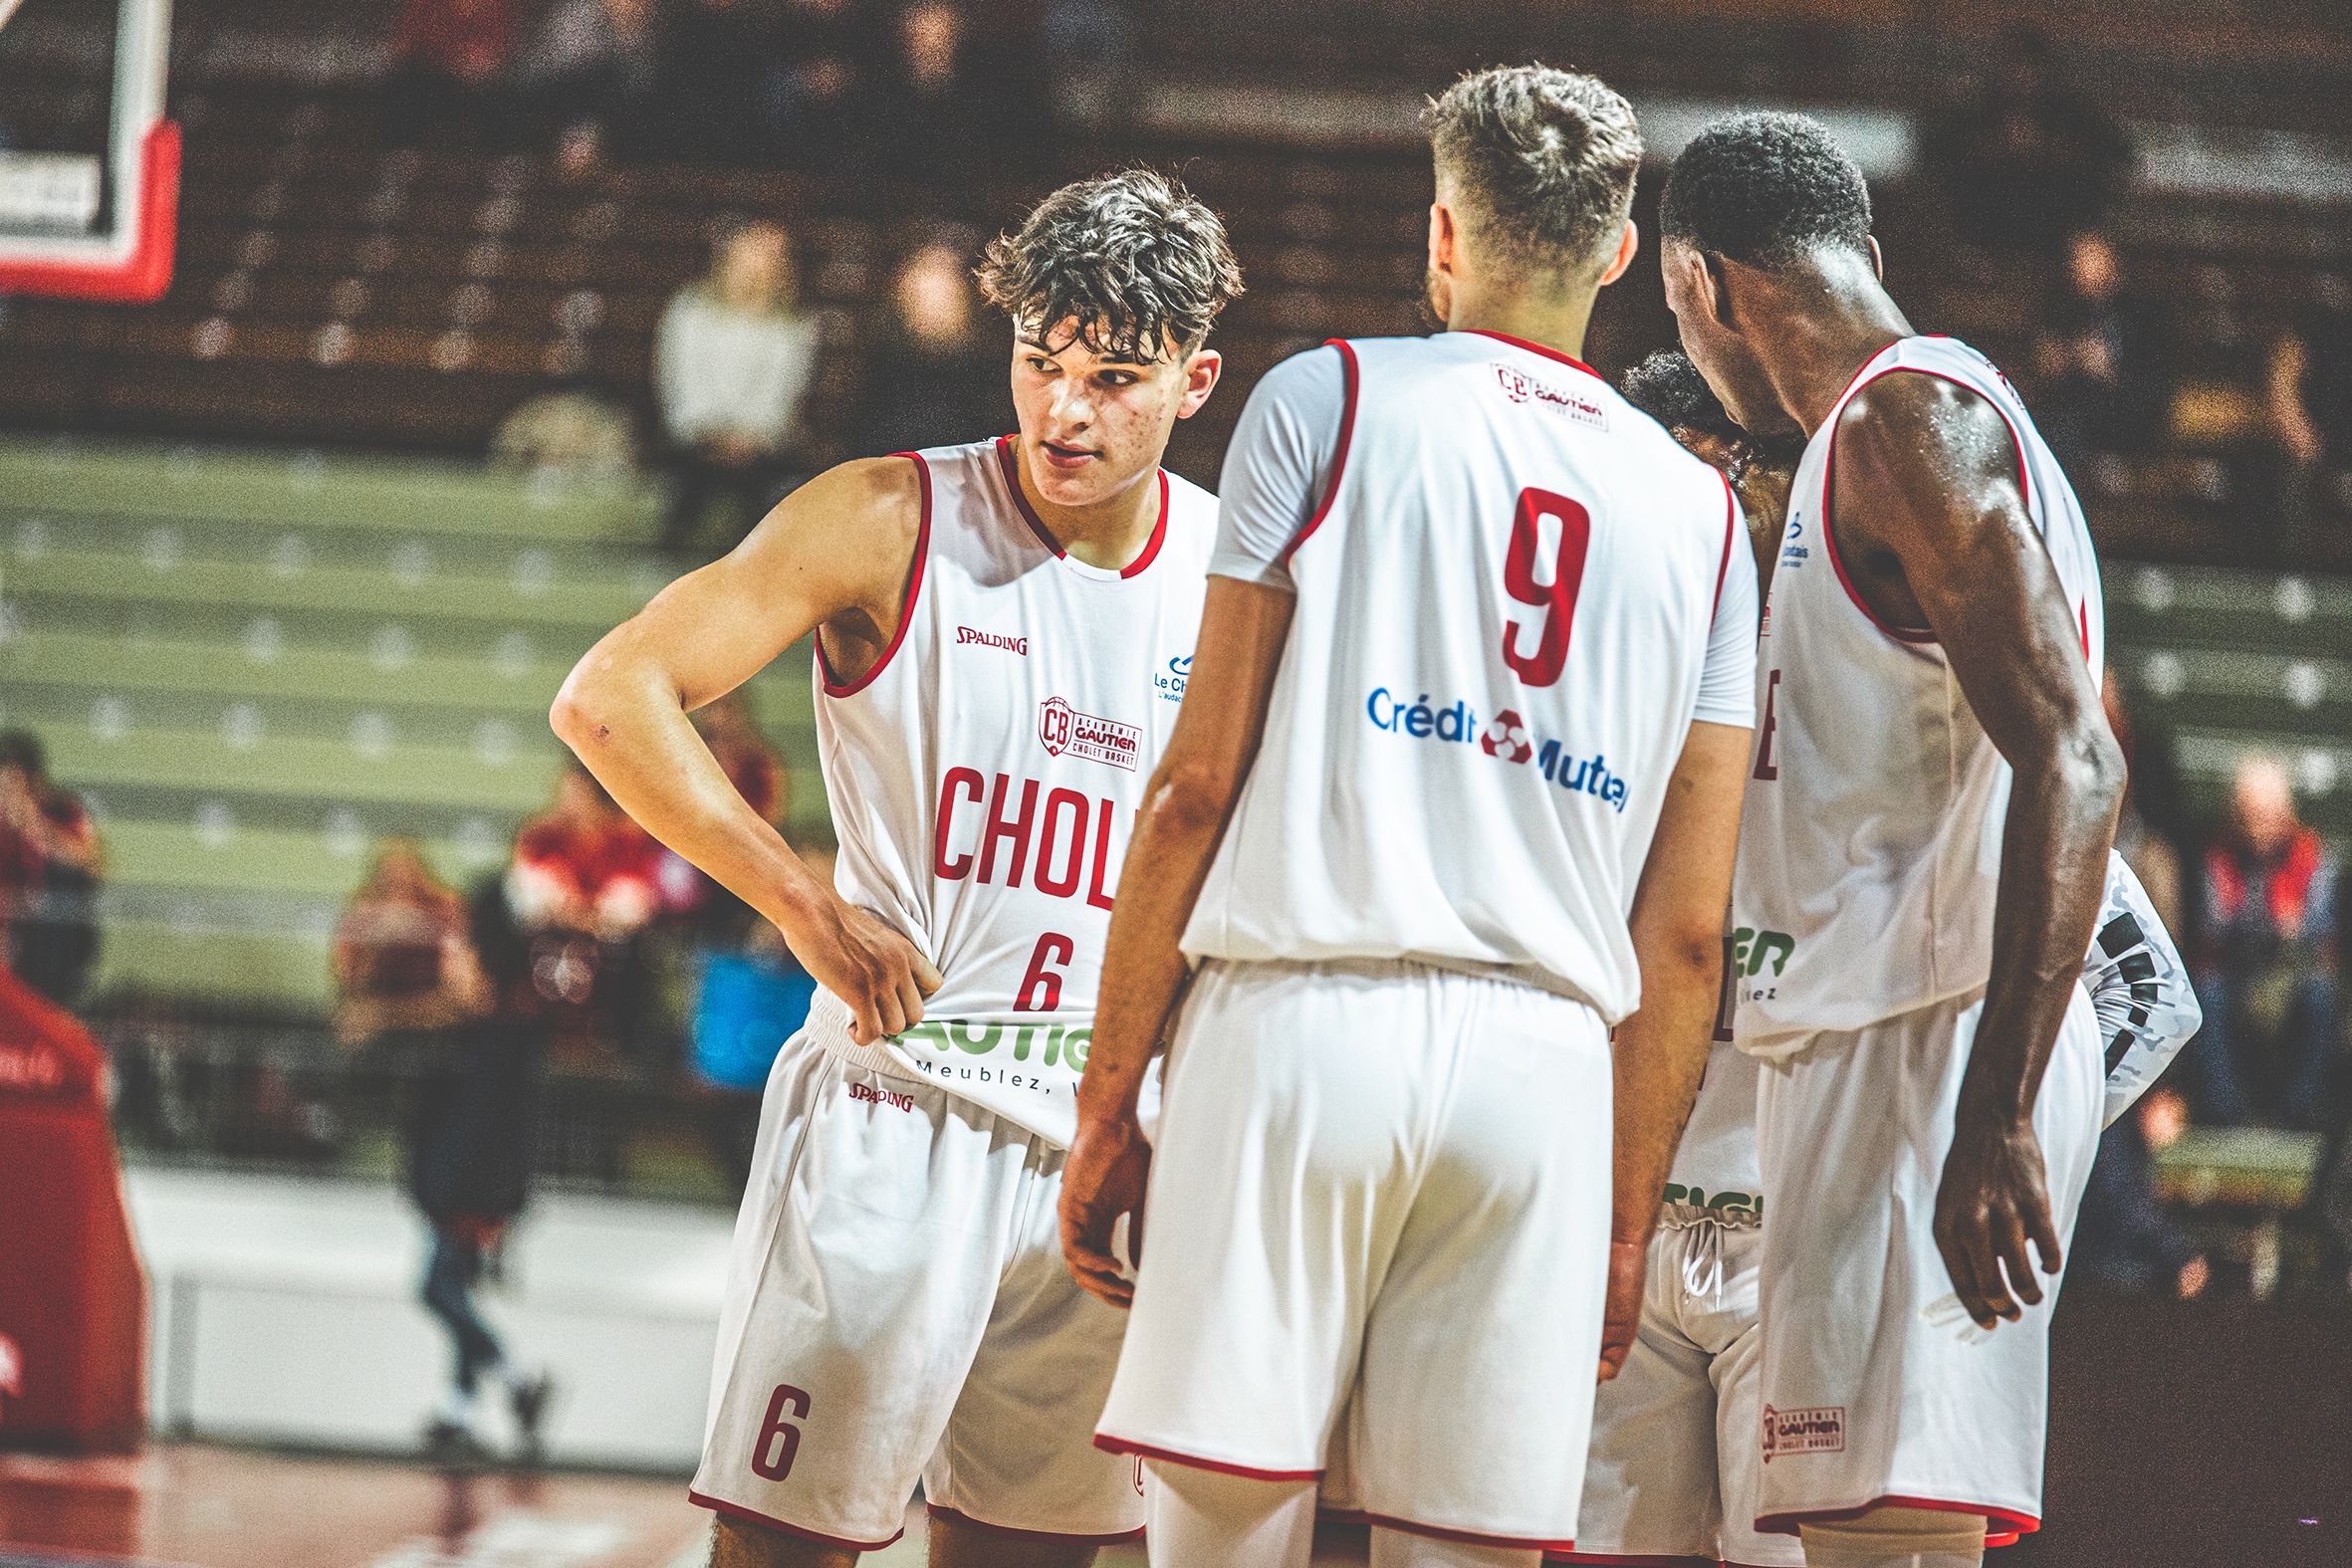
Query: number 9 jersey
{"points": [[1515, 593]]}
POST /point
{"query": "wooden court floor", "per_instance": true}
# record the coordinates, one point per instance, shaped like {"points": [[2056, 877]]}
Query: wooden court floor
{"points": [[2182, 1434]]}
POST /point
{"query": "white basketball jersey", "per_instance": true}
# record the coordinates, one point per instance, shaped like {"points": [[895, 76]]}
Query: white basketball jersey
{"points": [[985, 776], [1870, 845], [1504, 609]]}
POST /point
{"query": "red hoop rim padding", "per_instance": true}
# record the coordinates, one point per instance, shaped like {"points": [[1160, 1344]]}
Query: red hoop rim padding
{"points": [[144, 275]]}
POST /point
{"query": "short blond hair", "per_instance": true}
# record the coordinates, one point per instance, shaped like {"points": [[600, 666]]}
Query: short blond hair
{"points": [[1547, 159]]}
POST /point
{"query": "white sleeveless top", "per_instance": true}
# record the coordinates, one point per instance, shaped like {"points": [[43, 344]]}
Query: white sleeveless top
{"points": [[1506, 603], [1870, 845], [984, 777]]}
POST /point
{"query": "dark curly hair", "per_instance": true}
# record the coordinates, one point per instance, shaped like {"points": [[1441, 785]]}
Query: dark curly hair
{"points": [[1546, 156], [1764, 189], [1670, 390], [1140, 266]]}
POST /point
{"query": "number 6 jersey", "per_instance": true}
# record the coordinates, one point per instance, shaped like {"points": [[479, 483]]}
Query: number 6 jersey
{"points": [[984, 776], [1515, 593]]}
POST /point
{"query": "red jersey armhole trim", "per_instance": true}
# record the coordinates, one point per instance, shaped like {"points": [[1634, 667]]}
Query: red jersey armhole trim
{"points": [[1011, 467], [1355, 377], [1532, 347], [1145, 1450], [1730, 526], [1829, 527], [1997, 1520], [1159, 535], [1007, 1533], [906, 611], [1633, 1560], [736, 1510]]}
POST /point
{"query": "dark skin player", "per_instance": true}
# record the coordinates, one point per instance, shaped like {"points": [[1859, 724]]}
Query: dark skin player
{"points": [[1929, 518]]}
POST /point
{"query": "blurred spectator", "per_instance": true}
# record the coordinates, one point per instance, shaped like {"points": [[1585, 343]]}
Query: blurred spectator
{"points": [[2031, 159], [570, 433], [712, 57], [2106, 371], [934, 375], [591, 61], [2310, 409], [403, 963], [471, 1135], [932, 118], [584, 881], [732, 363], [50, 860], [2149, 832], [449, 58], [2123, 1238], [752, 766], [814, 102], [2267, 979]]}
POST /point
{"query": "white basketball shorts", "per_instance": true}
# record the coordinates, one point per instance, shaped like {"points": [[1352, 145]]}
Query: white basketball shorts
{"points": [[1675, 1463], [897, 1306], [1878, 1390], [1379, 1180]]}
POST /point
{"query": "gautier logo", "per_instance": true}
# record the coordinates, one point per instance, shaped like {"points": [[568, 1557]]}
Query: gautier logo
{"points": [[1521, 388], [1822, 1430], [1063, 728]]}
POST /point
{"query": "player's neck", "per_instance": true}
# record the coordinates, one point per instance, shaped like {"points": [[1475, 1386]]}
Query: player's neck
{"points": [[1108, 533], [1821, 337], [1557, 323]]}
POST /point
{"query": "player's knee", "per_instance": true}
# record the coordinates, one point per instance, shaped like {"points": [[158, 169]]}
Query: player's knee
{"points": [[1897, 1538], [737, 1544]]}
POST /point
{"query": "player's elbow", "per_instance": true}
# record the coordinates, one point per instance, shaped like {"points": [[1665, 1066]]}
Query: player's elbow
{"points": [[2092, 770], [1189, 798], [1681, 948], [578, 713]]}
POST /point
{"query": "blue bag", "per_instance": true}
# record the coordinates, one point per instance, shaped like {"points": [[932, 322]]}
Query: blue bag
{"points": [[747, 1008]]}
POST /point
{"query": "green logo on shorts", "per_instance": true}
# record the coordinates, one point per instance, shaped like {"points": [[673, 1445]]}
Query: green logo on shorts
{"points": [[1750, 949], [1051, 1044]]}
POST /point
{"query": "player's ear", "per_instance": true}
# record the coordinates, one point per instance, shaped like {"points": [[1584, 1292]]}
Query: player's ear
{"points": [[1628, 247], [1200, 380], [1878, 262], [1445, 240]]}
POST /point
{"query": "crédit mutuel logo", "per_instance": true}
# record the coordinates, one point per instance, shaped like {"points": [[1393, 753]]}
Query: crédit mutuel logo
{"points": [[1507, 738], [1063, 728]]}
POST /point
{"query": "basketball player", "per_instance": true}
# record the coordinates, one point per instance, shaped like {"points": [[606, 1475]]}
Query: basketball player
{"points": [[1452, 792], [1675, 1463], [1002, 635], [1930, 806]]}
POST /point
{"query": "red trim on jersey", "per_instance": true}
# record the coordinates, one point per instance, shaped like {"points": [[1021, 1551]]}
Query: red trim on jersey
{"points": [[1111, 1444], [1525, 1543], [1830, 532], [1996, 1518], [1011, 465], [1730, 526], [1549, 354], [958, 1517], [736, 1510], [906, 611], [1339, 453], [1159, 537], [1995, 1538], [2082, 615], [1632, 1560]]}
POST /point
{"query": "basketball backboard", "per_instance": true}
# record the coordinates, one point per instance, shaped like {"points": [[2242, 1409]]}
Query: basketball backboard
{"points": [[88, 164]]}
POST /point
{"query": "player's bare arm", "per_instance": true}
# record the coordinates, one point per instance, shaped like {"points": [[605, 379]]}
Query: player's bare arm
{"points": [[834, 555], [1928, 511], [1660, 1052], [1244, 627]]}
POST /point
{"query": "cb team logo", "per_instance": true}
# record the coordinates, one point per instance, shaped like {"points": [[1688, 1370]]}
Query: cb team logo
{"points": [[1053, 720], [1506, 736]]}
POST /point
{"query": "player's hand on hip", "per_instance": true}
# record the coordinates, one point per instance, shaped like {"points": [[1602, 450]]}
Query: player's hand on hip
{"points": [[1103, 1177], [1629, 1270], [1993, 1201], [874, 969]]}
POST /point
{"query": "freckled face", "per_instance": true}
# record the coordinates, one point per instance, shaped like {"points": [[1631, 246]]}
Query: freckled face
{"points": [[1094, 423]]}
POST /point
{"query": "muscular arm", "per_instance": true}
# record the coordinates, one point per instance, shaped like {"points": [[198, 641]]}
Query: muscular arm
{"points": [[836, 554], [1191, 796], [1926, 473], [1661, 1051]]}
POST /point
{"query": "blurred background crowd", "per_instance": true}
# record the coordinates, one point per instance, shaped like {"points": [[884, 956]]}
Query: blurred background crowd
{"points": [[492, 314]]}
